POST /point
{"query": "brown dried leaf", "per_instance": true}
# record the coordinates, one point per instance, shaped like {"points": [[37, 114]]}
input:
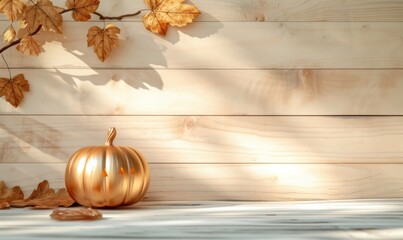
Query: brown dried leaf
{"points": [[43, 13], [12, 8], [8, 195], [82, 9], [4, 205], [75, 215], [164, 12], [45, 197], [41, 191], [13, 89], [103, 40], [29, 45], [9, 34]]}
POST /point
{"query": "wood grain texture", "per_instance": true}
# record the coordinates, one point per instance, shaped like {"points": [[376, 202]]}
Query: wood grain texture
{"points": [[242, 57], [271, 10], [208, 139], [211, 92], [237, 45], [241, 182], [354, 219]]}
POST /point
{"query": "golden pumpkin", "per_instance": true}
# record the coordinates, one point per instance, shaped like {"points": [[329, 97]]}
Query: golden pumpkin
{"points": [[107, 176]]}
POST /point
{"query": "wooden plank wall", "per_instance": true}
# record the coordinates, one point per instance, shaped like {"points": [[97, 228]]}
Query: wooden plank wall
{"points": [[257, 100]]}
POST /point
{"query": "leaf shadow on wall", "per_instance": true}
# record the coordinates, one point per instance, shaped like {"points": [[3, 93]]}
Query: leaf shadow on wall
{"points": [[91, 81], [197, 29], [73, 41], [131, 64]]}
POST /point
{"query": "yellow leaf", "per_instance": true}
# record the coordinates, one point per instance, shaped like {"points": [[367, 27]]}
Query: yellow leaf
{"points": [[103, 40], [82, 9], [9, 34], [12, 8], [42, 12], [13, 89], [28, 44], [164, 12]]}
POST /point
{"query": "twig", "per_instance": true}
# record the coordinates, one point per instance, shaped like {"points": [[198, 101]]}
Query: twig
{"points": [[66, 10], [102, 17]]}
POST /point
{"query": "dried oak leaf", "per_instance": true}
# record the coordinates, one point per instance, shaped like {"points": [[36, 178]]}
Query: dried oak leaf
{"points": [[43, 13], [45, 197], [9, 34], [29, 45], [103, 40], [7, 195], [13, 89], [82, 9], [12, 8], [4, 205], [164, 12], [76, 214]]}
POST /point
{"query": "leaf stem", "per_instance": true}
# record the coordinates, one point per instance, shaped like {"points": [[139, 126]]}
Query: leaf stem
{"points": [[8, 68]]}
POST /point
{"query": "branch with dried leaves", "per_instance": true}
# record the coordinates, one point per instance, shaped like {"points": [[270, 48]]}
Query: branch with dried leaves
{"points": [[36, 16]]}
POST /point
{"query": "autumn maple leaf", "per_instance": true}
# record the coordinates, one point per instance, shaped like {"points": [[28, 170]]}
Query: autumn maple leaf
{"points": [[103, 40], [29, 45], [13, 89], [172, 12], [9, 34], [12, 8], [82, 9], [43, 13]]}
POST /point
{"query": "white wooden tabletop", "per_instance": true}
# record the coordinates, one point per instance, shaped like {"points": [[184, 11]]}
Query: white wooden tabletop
{"points": [[350, 219]]}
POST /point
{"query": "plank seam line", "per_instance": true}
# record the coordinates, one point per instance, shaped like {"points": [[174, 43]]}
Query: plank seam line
{"points": [[195, 115], [246, 21], [229, 163], [200, 69]]}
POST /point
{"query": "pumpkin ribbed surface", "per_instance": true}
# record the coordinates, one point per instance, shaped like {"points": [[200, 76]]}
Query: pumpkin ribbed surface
{"points": [[107, 176]]}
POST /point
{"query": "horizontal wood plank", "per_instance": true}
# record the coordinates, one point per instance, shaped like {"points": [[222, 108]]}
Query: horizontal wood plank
{"points": [[244, 182], [211, 92], [269, 10], [228, 45], [352, 219], [208, 139]]}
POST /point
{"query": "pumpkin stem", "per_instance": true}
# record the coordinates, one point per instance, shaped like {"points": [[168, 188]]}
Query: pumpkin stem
{"points": [[111, 136]]}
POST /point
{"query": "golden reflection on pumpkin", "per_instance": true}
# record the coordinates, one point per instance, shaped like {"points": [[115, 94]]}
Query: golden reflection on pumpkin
{"points": [[107, 176]]}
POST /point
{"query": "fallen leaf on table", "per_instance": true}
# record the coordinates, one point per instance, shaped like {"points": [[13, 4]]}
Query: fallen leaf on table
{"points": [[103, 40], [13, 89], [7, 195], [12, 8], [43, 13], [82, 9], [45, 197], [164, 12], [76, 214]]}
